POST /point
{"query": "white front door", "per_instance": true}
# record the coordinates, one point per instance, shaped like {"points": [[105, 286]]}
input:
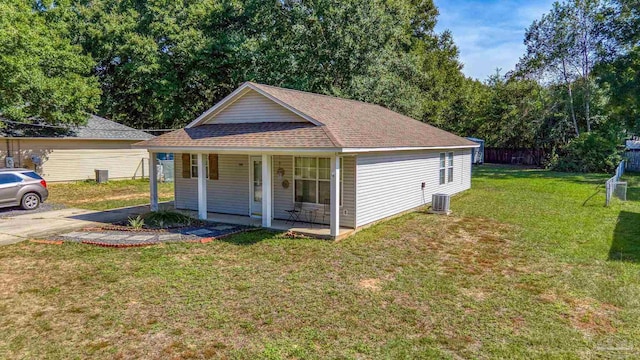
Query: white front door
{"points": [[256, 186]]}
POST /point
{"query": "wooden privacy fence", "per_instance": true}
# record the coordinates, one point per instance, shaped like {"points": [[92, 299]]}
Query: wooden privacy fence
{"points": [[614, 184], [514, 156]]}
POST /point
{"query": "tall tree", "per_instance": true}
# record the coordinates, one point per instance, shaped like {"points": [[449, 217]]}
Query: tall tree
{"points": [[161, 63], [619, 73], [565, 44], [43, 78]]}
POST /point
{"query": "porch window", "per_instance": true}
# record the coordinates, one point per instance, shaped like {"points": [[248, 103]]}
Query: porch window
{"points": [[194, 165], [313, 180]]}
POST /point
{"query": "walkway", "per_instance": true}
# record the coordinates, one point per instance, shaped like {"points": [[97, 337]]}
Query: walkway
{"points": [[123, 238], [42, 224]]}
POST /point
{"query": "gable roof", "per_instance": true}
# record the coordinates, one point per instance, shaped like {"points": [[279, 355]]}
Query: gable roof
{"points": [[96, 128], [333, 122]]}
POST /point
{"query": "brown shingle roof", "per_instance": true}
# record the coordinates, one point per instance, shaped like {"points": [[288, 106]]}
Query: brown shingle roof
{"points": [[258, 135], [345, 124]]}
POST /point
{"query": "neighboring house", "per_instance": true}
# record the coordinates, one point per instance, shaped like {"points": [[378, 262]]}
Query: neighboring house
{"points": [[61, 154], [262, 149]]}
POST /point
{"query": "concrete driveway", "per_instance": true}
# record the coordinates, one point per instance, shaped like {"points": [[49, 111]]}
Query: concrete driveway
{"points": [[42, 224]]}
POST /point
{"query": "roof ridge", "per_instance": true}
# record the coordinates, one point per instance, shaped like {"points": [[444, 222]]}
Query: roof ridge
{"points": [[315, 94]]}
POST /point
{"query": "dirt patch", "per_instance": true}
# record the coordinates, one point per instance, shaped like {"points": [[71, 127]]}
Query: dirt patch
{"points": [[370, 284], [589, 316], [472, 246], [474, 293], [585, 314]]}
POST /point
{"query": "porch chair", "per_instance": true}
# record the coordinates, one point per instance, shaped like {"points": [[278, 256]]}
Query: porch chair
{"points": [[327, 209], [294, 214]]}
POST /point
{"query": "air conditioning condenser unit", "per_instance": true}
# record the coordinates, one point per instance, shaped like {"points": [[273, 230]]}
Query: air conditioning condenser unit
{"points": [[440, 204]]}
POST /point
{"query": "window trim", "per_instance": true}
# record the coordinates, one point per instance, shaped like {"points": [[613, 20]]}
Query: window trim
{"points": [[317, 178], [450, 163], [446, 161], [194, 166]]}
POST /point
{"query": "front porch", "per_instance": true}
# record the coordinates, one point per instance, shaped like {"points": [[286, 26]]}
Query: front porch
{"points": [[263, 189], [313, 230]]}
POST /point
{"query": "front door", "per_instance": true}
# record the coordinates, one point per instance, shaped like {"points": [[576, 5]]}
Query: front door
{"points": [[256, 186]]}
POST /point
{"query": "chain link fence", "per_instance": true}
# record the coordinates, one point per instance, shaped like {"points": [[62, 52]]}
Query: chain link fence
{"points": [[615, 187], [165, 170]]}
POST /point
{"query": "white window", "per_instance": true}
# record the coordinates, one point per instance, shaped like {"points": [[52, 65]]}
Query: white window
{"points": [[446, 168], [194, 165], [313, 180], [450, 168]]}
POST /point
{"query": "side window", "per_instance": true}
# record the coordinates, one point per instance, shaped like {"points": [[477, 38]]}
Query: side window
{"points": [[443, 168], [32, 175], [9, 178], [450, 167]]}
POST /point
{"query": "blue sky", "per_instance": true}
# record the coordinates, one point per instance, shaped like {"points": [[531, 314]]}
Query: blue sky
{"points": [[489, 33]]}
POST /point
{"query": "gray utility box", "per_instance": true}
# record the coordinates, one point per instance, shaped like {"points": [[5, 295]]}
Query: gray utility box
{"points": [[102, 176]]}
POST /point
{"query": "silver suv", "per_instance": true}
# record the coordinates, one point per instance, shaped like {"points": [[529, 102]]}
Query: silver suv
{"points": [[22, 187]]}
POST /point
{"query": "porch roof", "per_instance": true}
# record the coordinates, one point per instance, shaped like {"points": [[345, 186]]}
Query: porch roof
{"points": [[246, 135]]}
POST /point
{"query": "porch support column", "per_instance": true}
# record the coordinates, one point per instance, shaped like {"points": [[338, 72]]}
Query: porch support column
{"points": [[266, 191], [335, 196], [202, 187], [153, 181]]}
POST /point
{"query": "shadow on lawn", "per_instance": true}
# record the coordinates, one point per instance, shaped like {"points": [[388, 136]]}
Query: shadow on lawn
{"points": [[626, 238]]}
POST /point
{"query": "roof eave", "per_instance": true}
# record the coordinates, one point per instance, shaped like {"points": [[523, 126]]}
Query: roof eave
{"points": [[405, 148], [68, 138], [230, 149], [164, 148]]}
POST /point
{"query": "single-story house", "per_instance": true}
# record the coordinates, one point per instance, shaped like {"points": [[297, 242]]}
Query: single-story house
{"points": [[263, 149], [67, 154]]}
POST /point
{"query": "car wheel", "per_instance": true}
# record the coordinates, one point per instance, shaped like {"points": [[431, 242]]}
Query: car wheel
{"points": [[30, 201]]}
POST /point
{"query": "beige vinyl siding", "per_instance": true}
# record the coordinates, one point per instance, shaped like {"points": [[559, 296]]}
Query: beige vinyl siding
{"points": [[69, 160], [283, 198], [390, 183], [253, 107], [227, 195]]}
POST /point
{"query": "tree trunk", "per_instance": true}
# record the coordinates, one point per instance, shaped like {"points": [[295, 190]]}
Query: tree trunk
{"points": [[571, 107], [587, 89]]}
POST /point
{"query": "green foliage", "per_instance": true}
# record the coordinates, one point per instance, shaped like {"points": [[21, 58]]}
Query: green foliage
{"points": [[167, 219], [137, 222], [589, 152], [162, 64], [621, 77], [43, 77]]}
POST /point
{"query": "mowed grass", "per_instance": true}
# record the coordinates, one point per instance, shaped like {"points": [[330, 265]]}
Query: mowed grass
{"points": [[110, 195], [523, 269]]}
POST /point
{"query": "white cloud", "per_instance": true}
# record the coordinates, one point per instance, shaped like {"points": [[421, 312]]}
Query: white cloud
{"points": [[489, 33]]}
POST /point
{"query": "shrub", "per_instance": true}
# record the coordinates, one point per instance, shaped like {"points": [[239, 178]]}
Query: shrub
{"points": [[589, 152], [137, 222], [167, 218]]}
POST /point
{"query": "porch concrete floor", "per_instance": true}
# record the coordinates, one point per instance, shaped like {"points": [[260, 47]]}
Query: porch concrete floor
{"points": [[314, 230]]}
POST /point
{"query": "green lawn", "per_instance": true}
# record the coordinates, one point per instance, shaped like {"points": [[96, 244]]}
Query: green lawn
{"points": [[531, 265], [114, 194]]}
